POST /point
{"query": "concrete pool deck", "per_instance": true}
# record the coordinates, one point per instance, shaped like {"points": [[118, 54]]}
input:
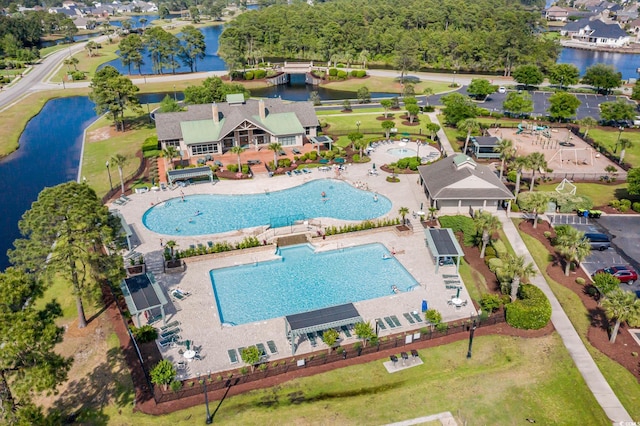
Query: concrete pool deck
{"points": [[198, 314]]}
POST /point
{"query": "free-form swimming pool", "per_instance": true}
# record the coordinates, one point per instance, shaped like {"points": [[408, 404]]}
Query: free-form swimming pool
{"points": [[402, 152], [213, 214], [304, 280]]}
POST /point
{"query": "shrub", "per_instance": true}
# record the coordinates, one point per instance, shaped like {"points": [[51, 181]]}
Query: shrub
{"points": [[490, 302], [636, 207], [515, 208], [78, 75], [512, 176], [495, 264], [531, 311], [547, 234], [248, 75], [259, 74], [615, 204], [354, 73], [489, 252], [342, 74], [144, 334], [232, 167], [175, 386], [333, 72], [462, 224], [580, 281], [361, 73], [150, 144], [442, 327], [500, 248]]}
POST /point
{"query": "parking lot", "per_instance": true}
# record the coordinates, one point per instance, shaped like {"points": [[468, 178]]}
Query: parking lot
{"points": [[623, 231]]}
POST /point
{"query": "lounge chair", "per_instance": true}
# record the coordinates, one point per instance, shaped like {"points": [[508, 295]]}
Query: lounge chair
{"points": [[380, 324], [179, 294], [192, 246], [396, 321], [154, 318], [409, 318], [320, 334], [288, 173], [417, 317], [218, 163], [305, 171], [169, 326], [119, 202], [233, 356], [414, 354], [169, 333], [240, 350], [208, 157], [450, 276], [389, 322], [345, 330], [404, 356], [272, 347], [297, 172], [312, 339], [124, 197], [281, 152], [296, 151], [210, 244], [168, 341], [262, 349]]}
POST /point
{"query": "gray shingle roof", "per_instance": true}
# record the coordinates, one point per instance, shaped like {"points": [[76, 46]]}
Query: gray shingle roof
{"points": [[459, 177], [599, 28], [168, 124]]}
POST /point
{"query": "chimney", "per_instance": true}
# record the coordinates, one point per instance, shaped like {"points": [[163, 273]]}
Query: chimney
{"points": [[214, 111], [261, 109]]}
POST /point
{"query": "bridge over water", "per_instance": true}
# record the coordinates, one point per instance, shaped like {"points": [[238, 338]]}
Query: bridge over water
{"points": [[289, 68]]}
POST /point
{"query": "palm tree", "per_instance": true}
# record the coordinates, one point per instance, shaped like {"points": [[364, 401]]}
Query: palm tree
{"points": [[487, 224], [536, 162], [520, 164], [432, 212], [90, 46], [433, 129], [507, 151], [120, 161], [587, 123], [516, 269], [537, 202], [172, 245], [403, 211], [572, 246], [468, 125], [428, 91], [363, 57], [237, 149], [143, 21], [623, 306], [71, 61], [624, 144], [170, 152], [275, 147]]}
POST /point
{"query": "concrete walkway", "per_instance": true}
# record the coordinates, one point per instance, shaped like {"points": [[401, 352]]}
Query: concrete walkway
{"points": [[446, 418], [442, 136], [581, 357]]}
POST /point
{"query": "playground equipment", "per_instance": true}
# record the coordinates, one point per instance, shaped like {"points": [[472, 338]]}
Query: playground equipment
{"points": [[525, 127], [587, 159], [566, 187]]}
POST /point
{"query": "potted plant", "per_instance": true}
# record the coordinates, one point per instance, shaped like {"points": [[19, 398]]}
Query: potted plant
{"points": [[172, 263], [136, 267]]}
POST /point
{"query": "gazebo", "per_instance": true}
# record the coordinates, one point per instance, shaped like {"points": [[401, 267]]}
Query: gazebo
{"points": [[319, 320], [442, 243], [191, 173], [143, 294], [321, 140]]}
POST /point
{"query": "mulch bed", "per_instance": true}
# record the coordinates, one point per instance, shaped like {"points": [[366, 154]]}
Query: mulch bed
{"points": [[383, 118], [598, 334]]}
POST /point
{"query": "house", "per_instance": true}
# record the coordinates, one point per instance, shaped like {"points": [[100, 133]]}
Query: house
{"points": [[556, 13], [215, 128], [596, 33], [634, 27], [459, 185]]}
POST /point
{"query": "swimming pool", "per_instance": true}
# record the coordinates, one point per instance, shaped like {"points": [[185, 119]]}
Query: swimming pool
{"points": [[402, 152], [304, 280], [213, 214]]}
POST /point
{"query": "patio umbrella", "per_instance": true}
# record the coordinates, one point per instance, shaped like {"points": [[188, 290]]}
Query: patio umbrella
{"points": [[373, 166], [458, 293], [188, 342], [421, 204]]}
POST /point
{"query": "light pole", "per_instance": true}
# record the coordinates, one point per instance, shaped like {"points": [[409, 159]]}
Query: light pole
{"points": [[109, 172], [473, 329], [358, 125], [454, 80], [620, 129], [209, 418], [174, 93]]}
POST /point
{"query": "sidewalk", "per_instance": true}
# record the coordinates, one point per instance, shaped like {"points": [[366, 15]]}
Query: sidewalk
{"points": [[581, 357], [442, 136]]}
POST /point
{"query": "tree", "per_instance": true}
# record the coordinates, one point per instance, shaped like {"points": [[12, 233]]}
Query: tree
{"points": [[193, 46], [403, 211], [363, 57], [314, 97], [602, 77], [170, 152], [71, 61], [618, 110], [468, 125], [563, 106], [364, 332], [276, 148], [330, 337], [516, 270], [480, 88], [346, 105], [194, 12], [28, 336], [519, 164], [164, 12], [364, 96], [91, 46], [387, 125], [213, 89], [457, 108], [518, 103], [433, 129], [486, 224], [536, 203], [406, 55], [131, 48], [386, 104], [251, 355], [635, 94], [587, 123], [169, 104], [120, 161], [62, 236], [563, 74], [237, 149], [572, 246], [113, 94], [353, 137], [163, 373], [433, 317], [506, 150], [408, 91], [605, 283], [162, 46], [633, 181], [621, 306], [624, 144], [412, 110], [536, 162], [529, 75]]}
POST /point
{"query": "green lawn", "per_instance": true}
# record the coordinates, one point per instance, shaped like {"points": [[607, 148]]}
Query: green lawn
{"points": [[609, 138], [384, 84], [623, 383], [507, 380], [369, 123], [600, 194]]}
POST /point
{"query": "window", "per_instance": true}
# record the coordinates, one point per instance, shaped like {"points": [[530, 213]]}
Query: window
{"points": [[287, 140], [204, 148], [173, 142]]}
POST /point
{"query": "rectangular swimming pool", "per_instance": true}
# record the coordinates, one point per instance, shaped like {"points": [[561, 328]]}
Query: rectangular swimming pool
{"points": [[303, 280]]}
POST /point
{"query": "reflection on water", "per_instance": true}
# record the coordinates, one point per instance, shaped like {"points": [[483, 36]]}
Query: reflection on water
{"points": [[626, 63]]}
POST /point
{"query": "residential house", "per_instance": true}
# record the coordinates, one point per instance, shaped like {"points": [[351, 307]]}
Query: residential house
{"points": [[458, 185], [209, 129], [596, 33], [556, 13]]}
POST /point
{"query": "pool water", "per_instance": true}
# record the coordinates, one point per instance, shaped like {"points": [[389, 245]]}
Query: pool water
{"points": [[304, 280], [213, 214], [402, 152]]}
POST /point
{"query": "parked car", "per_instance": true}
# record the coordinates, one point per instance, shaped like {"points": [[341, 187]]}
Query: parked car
{"points": [[598, 241], [625, 274], [502, 89]]}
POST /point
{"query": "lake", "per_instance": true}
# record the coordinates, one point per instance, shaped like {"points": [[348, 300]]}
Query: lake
{"points": [[626, 63]]}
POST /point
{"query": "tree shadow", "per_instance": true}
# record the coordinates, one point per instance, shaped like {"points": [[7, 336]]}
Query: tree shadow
{"points": [[108, 383]]}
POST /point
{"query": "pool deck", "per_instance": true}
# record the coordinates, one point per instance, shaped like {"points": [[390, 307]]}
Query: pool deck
{"points": [[198, 314]]}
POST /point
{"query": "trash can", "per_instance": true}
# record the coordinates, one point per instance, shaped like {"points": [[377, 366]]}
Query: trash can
{"points": [[586, 213], [425, 306]]}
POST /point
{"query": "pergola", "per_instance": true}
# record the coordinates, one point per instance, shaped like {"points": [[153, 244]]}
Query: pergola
{"points": [[321, 140], [319, 320], [442, 243], [143, 294], [194, 172], [125, 229]]}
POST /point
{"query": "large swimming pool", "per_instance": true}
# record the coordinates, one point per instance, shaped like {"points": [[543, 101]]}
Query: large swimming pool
{"points": [[304, 280], [213, 214]]}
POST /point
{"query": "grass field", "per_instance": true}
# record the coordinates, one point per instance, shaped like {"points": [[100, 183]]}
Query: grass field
{"points": [[600, 194], [369, 123], [384, 84], [623, 383], [609, 138]]}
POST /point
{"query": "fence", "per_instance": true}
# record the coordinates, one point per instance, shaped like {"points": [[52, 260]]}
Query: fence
{"points": [[225, 379], [127, 179]]}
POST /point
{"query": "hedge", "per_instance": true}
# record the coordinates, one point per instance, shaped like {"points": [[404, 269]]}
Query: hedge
{"points": [[333, 72], [531, 311], [248, 75], [462, 224], [361, 73], [342, 74], [500, 248], [150, 144], [259, 74]]}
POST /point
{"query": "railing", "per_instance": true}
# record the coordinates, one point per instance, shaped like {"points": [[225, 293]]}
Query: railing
{"points": [[221, 380], [127, 179]]}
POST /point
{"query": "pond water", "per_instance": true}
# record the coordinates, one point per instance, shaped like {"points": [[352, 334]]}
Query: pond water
{"points": [[626, 63]]}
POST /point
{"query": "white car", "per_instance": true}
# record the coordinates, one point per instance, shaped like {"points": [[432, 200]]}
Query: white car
{"points": [[502, 89]]}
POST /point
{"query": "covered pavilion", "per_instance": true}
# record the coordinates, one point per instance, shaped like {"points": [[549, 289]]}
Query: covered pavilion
{"points": [[443, 244]]}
